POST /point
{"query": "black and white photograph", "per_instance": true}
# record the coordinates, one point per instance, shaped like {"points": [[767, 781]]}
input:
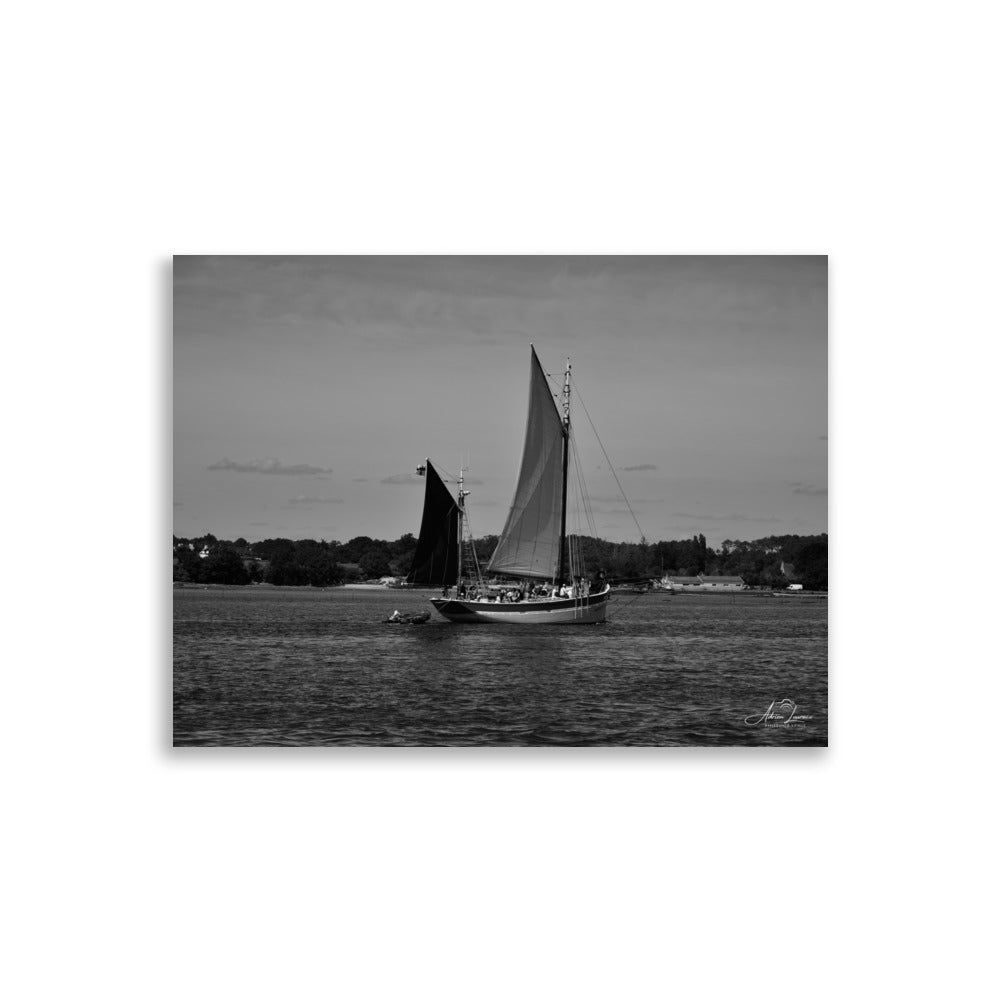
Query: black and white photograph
{"points": [[565, 501], [573, 423]]}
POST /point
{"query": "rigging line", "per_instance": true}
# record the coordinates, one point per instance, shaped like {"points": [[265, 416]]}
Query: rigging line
{"points": [[576, 550], [575, 556], [642, 534], [581, 487], [468, 524], [447, 477], [584, 498], [472, 546]]}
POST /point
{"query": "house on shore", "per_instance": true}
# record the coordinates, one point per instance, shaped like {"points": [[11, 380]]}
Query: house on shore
{"points": [[722, 582], [703, 584]]}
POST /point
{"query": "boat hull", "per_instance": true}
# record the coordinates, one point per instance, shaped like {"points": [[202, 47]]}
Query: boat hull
{"points": [[566, 611]]}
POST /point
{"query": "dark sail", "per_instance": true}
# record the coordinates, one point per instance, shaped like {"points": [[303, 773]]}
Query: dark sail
{"points": [[436, 560]]}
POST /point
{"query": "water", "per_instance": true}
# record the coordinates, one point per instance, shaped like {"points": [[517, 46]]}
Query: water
{"points": [[268, 667]]}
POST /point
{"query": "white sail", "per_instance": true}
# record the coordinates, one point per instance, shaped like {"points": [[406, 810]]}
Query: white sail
{"points": [[529, 544]]}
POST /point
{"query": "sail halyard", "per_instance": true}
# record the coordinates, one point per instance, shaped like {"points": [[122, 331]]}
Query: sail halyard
{"points": [[532, 541], [435, 560]]}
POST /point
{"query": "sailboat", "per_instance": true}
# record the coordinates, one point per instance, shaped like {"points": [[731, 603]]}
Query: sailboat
{"points": [[550, 583]]}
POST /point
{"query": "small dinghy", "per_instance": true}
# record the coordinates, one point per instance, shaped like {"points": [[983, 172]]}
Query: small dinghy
{"points": [[397, 619]]}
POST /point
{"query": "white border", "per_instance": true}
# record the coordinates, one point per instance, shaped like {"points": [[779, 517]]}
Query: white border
{"points": [[136, 133]]}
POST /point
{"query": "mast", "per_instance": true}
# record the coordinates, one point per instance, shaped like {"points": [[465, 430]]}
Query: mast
{"points": [[565, 472], [462, 494]]}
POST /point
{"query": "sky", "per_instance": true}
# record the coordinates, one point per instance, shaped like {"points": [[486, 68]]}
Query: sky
{"points": [[307, 390]]}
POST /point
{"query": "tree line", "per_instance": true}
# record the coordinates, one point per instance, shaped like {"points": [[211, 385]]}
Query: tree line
{"points": [[306, 562], [287, 563]]}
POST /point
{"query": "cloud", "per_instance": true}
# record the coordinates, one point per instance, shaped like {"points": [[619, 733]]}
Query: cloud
{"points": [[315, 500], [638, 468], [729, 517], [268, 466], [362, 480], [402, 479]]}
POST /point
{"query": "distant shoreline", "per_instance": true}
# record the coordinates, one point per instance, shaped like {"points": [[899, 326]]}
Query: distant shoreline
{"points": [[800, 595], [188, 585]]}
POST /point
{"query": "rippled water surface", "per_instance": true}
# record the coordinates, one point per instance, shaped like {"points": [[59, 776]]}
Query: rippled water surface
{"points": [[263, 667]]}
